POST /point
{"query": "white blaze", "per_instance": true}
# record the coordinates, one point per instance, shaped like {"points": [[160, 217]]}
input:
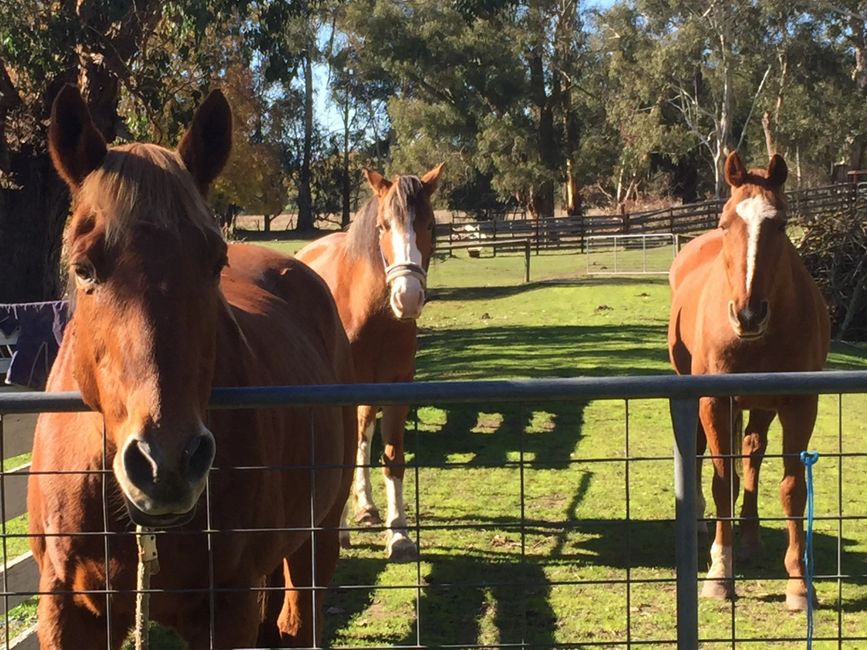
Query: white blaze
{"points": [[403, 243], [405, 250], [754, 211]]}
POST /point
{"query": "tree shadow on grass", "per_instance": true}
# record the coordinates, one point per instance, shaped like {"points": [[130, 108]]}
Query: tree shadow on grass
{"points": [[496, 603], [493, 434], [489, 593], [539, 351], [492, 293]]}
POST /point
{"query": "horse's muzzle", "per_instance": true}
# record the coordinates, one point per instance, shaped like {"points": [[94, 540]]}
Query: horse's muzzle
{"points": [[140, 518], [407, 283], [161, 488], [749, 323]]}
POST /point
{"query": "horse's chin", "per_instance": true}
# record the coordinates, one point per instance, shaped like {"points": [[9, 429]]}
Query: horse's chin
{"points": [[172, 520]]}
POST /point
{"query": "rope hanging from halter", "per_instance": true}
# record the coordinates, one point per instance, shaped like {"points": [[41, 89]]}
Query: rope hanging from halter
{"points": [[809, 459], [148, 565]]}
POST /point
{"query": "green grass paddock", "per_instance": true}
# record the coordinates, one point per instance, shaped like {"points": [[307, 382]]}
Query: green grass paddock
{"points": [[480, 325], [558, 575]]}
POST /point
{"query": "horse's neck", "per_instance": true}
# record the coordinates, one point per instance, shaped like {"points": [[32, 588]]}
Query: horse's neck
{"points": [[365, 293]]}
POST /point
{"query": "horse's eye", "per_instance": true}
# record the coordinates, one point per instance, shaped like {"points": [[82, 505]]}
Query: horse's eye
{"points": [[84, 273]]}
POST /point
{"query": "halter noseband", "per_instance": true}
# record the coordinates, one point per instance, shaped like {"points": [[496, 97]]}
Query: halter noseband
{"points": [[403, 269]]}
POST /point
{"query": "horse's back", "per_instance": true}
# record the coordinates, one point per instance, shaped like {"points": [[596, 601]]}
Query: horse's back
{"points": [[295, 297], [321, 254]]}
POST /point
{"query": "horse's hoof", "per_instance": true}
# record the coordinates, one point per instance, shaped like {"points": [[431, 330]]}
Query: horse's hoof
{"points": [[798, 602], [368, 517], [401, 549], [718, 590]]}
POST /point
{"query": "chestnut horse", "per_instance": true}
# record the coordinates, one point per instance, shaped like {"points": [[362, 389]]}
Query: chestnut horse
{"points": [[158, 320], [744, 302], [377, 272]]}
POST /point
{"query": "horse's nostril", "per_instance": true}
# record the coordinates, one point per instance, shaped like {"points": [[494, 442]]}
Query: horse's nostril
{"points": [[138, 463], [763, 312], [200, 453]]}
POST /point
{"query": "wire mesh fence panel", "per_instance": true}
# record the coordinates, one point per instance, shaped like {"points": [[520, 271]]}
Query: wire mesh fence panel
{"points": [[630, 254], [546, 516]]}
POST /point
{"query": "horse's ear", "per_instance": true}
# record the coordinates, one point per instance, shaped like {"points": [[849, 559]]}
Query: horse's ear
{"points": [[431, 180], [778, 171], [76, 147], [378, 183], [206, 145], [736, 173]]}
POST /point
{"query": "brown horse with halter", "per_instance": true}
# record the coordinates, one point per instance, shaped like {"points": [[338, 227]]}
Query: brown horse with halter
{"points": [[743, 301], [377, 272], [159, 319]]}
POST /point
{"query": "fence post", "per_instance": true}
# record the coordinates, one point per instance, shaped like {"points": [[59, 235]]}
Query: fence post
{"points": [[527, 261], [684, 418]]}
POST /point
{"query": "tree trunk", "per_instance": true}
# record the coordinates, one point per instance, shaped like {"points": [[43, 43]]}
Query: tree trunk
{"points": [[32, 218], [305, 200], [345, 185], [542, 196], [769, 137]]}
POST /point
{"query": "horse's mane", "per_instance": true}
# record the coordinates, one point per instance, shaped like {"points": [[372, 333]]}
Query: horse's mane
{"points": [[145, 183], [362, 238]]}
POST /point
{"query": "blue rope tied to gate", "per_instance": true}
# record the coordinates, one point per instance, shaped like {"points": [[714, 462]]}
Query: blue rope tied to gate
{"points": [[809, 458]]}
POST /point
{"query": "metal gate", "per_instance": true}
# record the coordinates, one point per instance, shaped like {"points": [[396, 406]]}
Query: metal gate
{"points": [[18, 581]]}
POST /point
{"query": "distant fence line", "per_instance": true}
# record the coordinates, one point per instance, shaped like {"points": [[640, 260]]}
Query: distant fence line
{"points": [[571, 232]]}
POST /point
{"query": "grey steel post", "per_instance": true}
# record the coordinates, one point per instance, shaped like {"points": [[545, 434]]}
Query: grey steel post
{"points": [[684, 418]]}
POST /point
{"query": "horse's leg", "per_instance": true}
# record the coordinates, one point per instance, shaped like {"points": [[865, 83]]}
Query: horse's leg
{"points": [[797, 419], [302, 615], [700, 501], [716, 418], [236, 621], [399, 547], [755, 443], [366, 512], [345, 540], [65, 624]]}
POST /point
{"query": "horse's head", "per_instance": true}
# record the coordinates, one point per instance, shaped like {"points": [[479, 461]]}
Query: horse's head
{"points": [[144, 258], [405, 223], [754, 223]]}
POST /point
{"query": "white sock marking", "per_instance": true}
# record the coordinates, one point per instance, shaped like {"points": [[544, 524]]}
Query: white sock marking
{"points": [[361, 485]]}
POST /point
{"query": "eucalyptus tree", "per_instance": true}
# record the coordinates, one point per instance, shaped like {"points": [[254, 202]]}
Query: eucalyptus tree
{"points": [[487, 85]]}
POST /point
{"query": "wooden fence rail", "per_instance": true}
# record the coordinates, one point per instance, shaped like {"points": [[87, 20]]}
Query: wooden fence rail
{"points": [[570, 232]]}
